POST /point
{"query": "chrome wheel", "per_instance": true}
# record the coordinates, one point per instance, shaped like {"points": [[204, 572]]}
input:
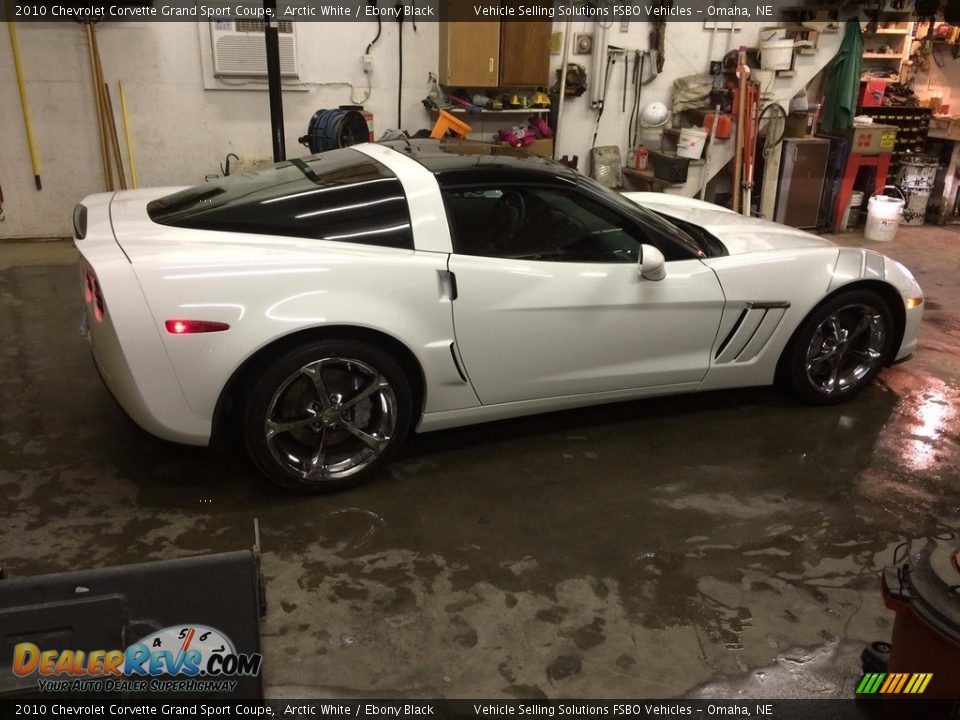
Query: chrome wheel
{"points": [[330, 419], [846, 347]]}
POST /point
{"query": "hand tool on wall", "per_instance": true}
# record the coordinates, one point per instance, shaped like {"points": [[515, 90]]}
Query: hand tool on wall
{"points": [[708, 154], [750, 133], [134, 181], [25, 106], [742, 73], [613, 53], [114, 139], [95, 75], [658, 35]]}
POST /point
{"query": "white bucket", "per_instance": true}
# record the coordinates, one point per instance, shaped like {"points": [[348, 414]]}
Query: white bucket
{"points": [[769, 34], [883, 216], [651, 137], [691, 143], [856, 200], [776, 54], [765, 79]]}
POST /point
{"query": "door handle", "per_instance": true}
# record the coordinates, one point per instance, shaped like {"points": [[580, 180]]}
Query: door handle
{"points": [[448, 284]]}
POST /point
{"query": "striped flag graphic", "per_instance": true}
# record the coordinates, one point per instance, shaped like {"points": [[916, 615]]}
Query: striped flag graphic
{"points": [[894, 683]]}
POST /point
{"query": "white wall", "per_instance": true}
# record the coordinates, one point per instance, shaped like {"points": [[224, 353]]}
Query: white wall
{"points": [[689, 47], [182, 131]]}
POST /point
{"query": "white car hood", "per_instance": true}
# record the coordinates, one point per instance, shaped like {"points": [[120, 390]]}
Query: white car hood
{"points": [[738, 233]]}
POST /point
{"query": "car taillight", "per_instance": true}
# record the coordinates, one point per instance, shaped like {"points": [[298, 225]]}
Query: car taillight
{"points": [[99, 307], [92, 294], [189, 327]]}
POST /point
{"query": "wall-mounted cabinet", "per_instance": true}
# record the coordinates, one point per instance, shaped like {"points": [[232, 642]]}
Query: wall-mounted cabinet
{"points": [[525, 54], [470, 54], [494, 54]]}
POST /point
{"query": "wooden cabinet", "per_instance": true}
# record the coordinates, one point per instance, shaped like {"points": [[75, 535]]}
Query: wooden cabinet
{"points": [[470, 54], [493, 54], [525, 53]]}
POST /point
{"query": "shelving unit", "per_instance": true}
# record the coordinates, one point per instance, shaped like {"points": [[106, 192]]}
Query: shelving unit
{"points": [[912, 124], [896, 31], [505, 111]]}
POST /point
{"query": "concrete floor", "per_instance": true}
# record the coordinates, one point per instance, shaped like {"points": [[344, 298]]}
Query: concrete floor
{"points": [[719, 545]]}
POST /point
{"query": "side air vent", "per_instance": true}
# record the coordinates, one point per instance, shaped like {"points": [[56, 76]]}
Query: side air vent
{"points": [[751, 331]]}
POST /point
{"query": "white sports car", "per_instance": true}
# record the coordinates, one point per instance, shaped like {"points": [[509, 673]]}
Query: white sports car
{"points": [[329, 305]]}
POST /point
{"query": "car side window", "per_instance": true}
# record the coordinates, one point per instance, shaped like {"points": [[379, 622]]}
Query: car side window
{"points": [[341, 195], [538, 223]]}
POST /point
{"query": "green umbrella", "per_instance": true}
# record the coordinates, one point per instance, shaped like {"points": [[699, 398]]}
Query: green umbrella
{"points": [[843, 86]]}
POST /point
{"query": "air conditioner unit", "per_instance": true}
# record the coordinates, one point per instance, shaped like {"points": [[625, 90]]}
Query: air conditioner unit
{"points": [[239, 50]]}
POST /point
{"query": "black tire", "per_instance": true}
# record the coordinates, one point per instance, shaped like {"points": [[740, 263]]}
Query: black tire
{"points": [[806, 375], [285, 418]]}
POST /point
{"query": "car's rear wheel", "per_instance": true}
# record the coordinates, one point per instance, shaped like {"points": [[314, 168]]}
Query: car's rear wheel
{"points": [[840, 347], [327, 415]]}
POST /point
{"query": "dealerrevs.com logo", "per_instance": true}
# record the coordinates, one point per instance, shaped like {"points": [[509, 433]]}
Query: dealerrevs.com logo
{"points": [[191, 658]]}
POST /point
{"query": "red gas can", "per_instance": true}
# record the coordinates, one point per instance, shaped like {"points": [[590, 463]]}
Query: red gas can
{"points": [[640, 158], [724, 126]]}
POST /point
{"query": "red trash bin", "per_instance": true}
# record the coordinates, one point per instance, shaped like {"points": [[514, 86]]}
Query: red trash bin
{"points": [[923, 589]]}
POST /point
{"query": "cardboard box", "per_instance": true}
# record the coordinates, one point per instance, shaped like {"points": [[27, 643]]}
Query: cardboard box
{"points": [[542, 147]]}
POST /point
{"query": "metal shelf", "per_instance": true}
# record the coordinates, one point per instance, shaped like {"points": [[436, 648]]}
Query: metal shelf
{"points": [[508, 111]]}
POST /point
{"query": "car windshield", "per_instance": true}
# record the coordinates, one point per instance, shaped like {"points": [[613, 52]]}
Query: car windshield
{"points": [[658, 221]]}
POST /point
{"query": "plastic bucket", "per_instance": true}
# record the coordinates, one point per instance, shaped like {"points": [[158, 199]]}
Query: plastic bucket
{"points": [[691, 143], [776, 54], [651, 137], [883, 216], [765, 79], [852, 214]]}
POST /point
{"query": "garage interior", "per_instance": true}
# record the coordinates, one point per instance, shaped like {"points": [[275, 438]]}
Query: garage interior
{"points": [[726, 544]]}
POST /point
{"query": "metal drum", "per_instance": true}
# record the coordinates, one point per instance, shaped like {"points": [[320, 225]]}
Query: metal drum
{"points": [[915, 179]]}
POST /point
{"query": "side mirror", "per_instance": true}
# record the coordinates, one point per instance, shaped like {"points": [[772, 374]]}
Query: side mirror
{"points": [[652, 265]]}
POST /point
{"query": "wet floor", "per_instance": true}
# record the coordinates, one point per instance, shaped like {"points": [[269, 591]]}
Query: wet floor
{"points": [[721, 544]]}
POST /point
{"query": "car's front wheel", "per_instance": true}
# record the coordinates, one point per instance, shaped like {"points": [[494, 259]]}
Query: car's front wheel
{"points": [[327, 415], [840, 347]]}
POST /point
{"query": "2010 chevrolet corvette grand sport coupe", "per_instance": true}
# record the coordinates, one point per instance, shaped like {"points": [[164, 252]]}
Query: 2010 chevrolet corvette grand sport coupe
{"points": [[329, 305]]}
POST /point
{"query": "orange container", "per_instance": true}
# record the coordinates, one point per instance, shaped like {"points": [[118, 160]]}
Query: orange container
{"points": [[446, 122], [724, 126]]}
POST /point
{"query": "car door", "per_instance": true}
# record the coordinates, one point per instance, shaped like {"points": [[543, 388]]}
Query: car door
{"points": [[550, 303]]}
